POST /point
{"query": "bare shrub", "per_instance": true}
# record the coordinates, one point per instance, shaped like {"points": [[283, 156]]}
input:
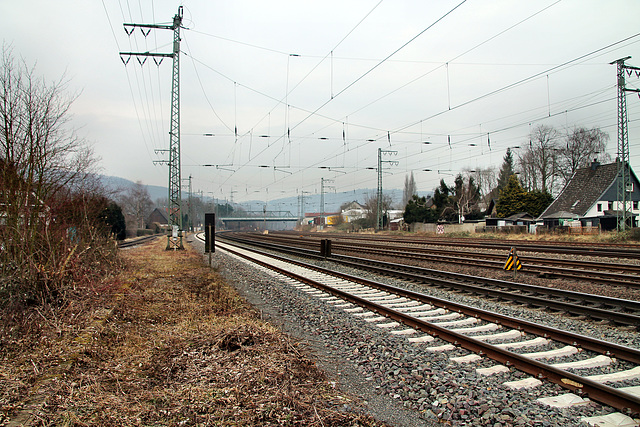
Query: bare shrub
{"points": [[51, 233]]}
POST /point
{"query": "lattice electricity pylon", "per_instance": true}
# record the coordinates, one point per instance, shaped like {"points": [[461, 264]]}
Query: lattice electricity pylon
{"points": [[623, 215], [175, 194], [174, 239], [379, 216], [322, 188]]}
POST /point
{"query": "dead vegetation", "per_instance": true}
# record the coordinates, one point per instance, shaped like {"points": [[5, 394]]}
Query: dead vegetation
{"points": [[165, 343]]}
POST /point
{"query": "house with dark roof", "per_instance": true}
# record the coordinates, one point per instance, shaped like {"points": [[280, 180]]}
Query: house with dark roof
{"points": [[590, 197], [158, 216], [516, 223], [521, 218]]}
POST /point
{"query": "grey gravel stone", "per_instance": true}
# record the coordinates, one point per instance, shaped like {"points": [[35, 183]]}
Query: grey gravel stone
{"points": [[402, 384]]}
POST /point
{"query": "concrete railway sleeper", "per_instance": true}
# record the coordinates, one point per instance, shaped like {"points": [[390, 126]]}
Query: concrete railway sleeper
{"points": [[618, 311], [423, 319], [602, 250], [608, 273]]}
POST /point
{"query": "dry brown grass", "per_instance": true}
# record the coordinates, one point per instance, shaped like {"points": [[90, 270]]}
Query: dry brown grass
{"points": [[164, 343]]}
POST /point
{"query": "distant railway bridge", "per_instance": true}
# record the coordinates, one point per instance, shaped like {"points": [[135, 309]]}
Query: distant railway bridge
{"points": [[261, 220]]}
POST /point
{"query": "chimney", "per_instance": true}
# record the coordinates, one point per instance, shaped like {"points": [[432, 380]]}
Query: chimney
{"points": [[595, 164]]}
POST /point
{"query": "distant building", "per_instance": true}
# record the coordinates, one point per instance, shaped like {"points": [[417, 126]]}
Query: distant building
{"points": [[353, 211], [317, 218], [522, 218], [158, 216], [395, 214], [590, 198]]}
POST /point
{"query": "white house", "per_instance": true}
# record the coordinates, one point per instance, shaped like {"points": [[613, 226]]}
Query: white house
{"points": [[353, 211], [590, 197]]}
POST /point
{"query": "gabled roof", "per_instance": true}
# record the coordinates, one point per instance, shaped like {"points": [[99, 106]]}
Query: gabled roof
{"points": [[492, 206], [159, 212], [584, 189], [353, 205], [520, 216], [561, 215]]}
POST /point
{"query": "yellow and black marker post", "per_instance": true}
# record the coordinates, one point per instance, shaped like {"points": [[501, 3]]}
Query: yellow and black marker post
{"points": [[513, 262]]}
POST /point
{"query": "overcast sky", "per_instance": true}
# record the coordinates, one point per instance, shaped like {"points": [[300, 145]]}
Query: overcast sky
{"points": [[314, 89]]}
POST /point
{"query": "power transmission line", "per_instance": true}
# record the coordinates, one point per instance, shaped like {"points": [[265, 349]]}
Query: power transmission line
{"points": [[174, 240]]}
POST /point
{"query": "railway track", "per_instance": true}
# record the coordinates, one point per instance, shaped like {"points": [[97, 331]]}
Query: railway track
{"points": [[597, 307], [429, 321], [134, 242], [621, 274], [601, 250]]}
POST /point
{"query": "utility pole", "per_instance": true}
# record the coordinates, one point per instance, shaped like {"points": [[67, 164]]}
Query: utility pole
{"points": [[379, 216], [174, 239], [322, 186], [302, 208], [624, 172], [190, 207]]}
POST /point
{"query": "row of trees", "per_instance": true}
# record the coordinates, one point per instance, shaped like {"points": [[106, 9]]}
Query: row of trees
{"points": [[449, 203], [550, 159], [528, 177], [54, 216], [136, 205]]}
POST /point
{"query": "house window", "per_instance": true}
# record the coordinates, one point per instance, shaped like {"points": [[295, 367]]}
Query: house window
{"points": [[599, 207], [635, 205], [610, 206]]}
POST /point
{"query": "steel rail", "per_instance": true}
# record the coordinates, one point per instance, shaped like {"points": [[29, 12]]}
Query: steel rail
{"points": [[138, 241], [600, 392], [573, 248], [529, 260], [446, 279], [621, 352], [578, 268]]}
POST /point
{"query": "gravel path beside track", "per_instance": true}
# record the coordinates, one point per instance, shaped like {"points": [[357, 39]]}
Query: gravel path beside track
{"points": [[403, 384]]}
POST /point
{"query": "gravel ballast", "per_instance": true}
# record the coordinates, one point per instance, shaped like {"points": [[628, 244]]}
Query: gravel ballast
{"points": [[401, 382]]}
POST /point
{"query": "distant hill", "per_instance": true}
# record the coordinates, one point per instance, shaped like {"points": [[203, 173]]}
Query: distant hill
{"points": [[332, 201], [116, 184]]}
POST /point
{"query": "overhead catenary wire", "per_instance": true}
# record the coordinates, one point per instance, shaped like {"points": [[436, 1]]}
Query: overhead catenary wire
{"points": [[376, 66], [406, 132], [370, 70], [519, 82], [204, 92], [139, 120]]}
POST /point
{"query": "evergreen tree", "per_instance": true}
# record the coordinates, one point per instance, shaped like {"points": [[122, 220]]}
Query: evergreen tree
{"points": [[512, 198], [506, 170], [515, 199], [415, 209], [537, 201], [441, 196], [114, 221]]}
